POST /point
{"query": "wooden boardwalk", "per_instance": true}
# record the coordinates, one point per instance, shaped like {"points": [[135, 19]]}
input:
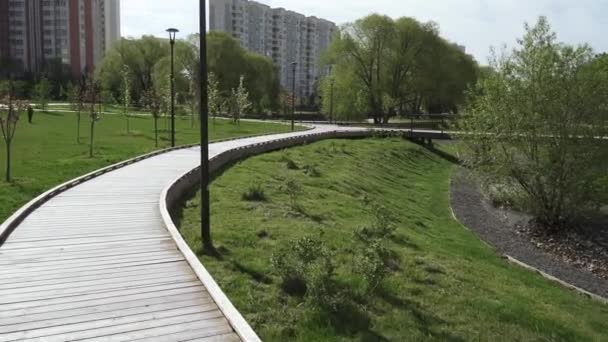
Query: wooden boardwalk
{"points": [[97, 263]]}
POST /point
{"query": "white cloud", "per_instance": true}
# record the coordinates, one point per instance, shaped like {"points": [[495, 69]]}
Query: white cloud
{"points": [[478, 24]]}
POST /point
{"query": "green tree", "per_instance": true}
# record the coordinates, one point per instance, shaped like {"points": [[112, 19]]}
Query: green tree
{"points": [[215, 100], [10, 109], [153, 103], [241, 100], [43, 93], [532, 124], [76, 99], [391, 67], [126, 95], [91, 95]]}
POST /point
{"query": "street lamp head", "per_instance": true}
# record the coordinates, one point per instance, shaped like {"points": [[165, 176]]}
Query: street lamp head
{"points": [[172, 33], [294, 65]]}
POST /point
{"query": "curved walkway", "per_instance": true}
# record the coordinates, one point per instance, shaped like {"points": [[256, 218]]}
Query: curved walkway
{"points": [[97, 262]]}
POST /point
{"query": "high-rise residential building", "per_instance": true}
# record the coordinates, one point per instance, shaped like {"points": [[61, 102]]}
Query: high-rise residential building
{"points": [[282, 35], [75, 32]]}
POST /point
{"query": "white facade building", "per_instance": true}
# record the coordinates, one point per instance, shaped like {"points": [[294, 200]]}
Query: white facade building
{"points": [[282, 35]]}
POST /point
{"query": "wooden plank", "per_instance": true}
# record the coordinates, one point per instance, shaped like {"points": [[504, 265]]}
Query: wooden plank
{"points": [[219, 338], [167, 332], [99, 259], [76, 285], [65, 234], [101, 308], [143, 294], [92, 289], [116, 325], [8, 271], [17, 245], [75, 275], [92, 296], [58, 256], [120, 245], [184, 332], [199, 303], [178, 332], [74, 278], [111, 267]]}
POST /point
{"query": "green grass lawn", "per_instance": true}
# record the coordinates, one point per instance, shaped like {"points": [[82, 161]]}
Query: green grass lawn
{"points": [[46, 154], [448, 285]]}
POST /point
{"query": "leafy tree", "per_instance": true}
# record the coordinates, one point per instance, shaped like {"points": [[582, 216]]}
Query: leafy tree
{"points": [[390, 67], [10, 109], [153, 103], [241, 100], [43, 93], [215, 100], [532, 124], [76, 97], [126, 95]]}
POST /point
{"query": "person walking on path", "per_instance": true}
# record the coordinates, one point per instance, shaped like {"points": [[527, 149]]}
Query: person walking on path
{"points": [[30, 114]]}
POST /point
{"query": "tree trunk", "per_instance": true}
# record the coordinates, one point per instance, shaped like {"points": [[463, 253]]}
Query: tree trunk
{"points": [[156, 131], [8, 161], [78, 128], [128, 124], [92, 136]]}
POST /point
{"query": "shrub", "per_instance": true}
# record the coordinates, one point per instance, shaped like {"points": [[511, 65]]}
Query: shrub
{"points": [[293, 190], [374, 260], [372, 263], [291, 165], [255, 193], [306, 268], [311, 171]]}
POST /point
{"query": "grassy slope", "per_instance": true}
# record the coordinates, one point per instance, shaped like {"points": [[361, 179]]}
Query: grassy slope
{"points": [[46, 154], [450, 287]]}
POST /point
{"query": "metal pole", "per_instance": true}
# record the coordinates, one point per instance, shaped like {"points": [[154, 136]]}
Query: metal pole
{"points": [[172, 96], [293, 97], [204, 124]]}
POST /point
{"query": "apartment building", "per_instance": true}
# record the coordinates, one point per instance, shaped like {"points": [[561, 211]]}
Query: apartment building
{"points": [[282, 35], [76, 32]]}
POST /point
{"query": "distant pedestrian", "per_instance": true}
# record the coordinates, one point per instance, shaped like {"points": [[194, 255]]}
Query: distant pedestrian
{"points": [[30, 114]]}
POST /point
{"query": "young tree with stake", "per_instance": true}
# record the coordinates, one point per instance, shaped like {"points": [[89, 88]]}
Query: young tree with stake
{"points": [[9, 117], [92, 91], [126, 95], [241, 100]]}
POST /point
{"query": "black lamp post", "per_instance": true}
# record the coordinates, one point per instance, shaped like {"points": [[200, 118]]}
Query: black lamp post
{"points": [[204, 123], [294, 65], [172, 33]]}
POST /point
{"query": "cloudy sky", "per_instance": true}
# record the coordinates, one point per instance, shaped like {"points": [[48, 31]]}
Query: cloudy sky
{"points": [[477, 24]]}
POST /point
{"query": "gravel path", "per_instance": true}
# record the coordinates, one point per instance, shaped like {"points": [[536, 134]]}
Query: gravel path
{"points": [[477, 214]]}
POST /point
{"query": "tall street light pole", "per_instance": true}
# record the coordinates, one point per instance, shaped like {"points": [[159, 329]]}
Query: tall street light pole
{"points": [[294, 65], [204, 123], [172, 32]]}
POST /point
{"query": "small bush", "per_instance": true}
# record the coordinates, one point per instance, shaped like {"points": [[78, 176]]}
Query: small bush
{"points": [[305, 267], [291, 165], [373, 264], [255, 193], [293, 190], [311, 171], [383, 225], [375, 260]]}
